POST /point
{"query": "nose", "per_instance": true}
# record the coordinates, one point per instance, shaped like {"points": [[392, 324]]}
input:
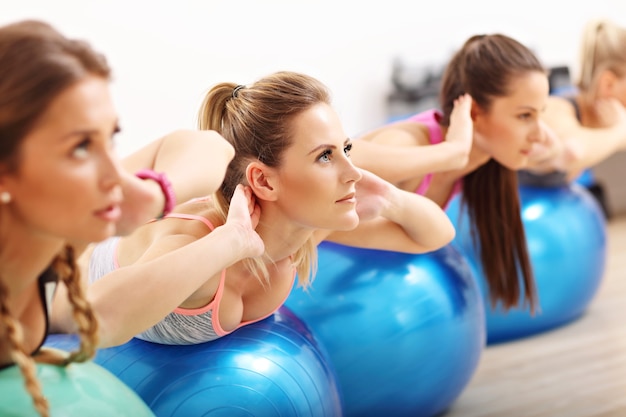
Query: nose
{"points": [[110, 170], [350, 173], [538, 134]]}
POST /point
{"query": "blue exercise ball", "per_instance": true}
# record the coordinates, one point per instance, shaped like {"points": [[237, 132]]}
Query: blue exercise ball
{"points": [[404, 332], [566, 237], [272, 368], [76, 390]]}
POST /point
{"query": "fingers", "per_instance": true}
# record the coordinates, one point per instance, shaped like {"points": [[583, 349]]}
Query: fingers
{"points": [[463, 101]]}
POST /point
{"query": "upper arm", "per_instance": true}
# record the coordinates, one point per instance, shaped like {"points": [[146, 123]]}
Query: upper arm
{"points": [[164, 245], [195, 161], [560, 116], [402, 133]]}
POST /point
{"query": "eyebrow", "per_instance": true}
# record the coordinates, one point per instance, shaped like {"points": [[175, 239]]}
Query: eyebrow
{"points": [[532, 108], [89, 132], [324, 146]]}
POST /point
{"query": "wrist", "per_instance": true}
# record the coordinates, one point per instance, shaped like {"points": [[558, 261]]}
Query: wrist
{"points": [[166, 188]]}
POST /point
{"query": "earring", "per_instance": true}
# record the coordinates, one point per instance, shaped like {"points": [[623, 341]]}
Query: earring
{"points": [[5, 197]]}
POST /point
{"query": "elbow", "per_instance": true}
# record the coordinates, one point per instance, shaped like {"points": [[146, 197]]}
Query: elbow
{"points": [[113, 329], [228, 150], [444, 234], [574, 159], [447, 234], [440, 236], [107, 338]]}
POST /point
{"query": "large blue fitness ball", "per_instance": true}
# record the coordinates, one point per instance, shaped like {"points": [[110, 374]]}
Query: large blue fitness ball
{"points": [[566, 237], [272, 368], [78, 390], [404, 332]]}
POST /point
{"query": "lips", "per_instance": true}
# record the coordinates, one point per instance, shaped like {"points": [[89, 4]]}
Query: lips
{"points": [[110, 213], [347, 199]]}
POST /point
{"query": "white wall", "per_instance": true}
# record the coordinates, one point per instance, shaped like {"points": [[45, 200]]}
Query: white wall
{"points": [[167, 53]]}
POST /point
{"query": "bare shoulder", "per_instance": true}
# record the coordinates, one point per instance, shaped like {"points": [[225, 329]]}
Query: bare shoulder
{"points": [[188, 222], [559, 107]]}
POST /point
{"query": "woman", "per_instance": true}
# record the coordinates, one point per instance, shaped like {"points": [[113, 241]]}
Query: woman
{"points": [[292, 158], [591, 119], [61, 185], [508, 90]]}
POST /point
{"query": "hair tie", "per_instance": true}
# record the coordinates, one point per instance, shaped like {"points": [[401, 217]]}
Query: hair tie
{"points": [[236, 90]]}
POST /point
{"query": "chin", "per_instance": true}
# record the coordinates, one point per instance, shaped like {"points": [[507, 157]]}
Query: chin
{"points": [[516, 165], [101, 235], [347, 225]]}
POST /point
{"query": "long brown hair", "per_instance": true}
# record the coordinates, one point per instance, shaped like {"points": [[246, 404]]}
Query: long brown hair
{"points": [[37, 63], [484, 67], [256, 120]]}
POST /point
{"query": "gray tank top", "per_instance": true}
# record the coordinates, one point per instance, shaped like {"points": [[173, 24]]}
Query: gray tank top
{"points": [[175, 328]]}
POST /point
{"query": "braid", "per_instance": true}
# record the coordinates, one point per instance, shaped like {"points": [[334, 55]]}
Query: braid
{"points": [[65, 266], [13, 331]]}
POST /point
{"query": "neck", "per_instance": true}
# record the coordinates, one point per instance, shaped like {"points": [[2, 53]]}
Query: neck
{"points": [[588, 113], [281, 236], [24, 255]]}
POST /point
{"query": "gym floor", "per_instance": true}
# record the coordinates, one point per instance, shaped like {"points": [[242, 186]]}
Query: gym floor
{"points": [[578, 370]]}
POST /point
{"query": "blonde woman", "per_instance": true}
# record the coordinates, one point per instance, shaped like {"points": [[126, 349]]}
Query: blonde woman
{"points": [[292, 161], [591, 121]]}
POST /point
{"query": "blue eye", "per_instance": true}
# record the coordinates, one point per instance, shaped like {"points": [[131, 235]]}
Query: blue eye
{"points": [[325, 156], [82, 148]]}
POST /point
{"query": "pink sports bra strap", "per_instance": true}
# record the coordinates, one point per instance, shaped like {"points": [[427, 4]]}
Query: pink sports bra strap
{"points": [[191, 217], [430, 119]]}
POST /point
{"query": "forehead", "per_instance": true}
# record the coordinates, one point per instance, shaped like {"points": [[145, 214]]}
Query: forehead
{"points": [[528, 90], [317, 125], [84, 105]]}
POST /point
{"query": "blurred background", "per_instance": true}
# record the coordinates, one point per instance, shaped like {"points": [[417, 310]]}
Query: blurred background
{"points": [[166, 54]]}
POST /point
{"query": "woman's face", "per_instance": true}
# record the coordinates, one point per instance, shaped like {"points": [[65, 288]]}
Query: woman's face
{"points": [[508, 130], [618, 88], [67, 184], [317, 179]]}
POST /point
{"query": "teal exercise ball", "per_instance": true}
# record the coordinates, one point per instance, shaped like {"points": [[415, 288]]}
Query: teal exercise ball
{"points": [[565, 231], [77, 390]]}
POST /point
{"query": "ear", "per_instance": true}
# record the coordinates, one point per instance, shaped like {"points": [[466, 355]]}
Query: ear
{"points": [[4, 178], [476, 112], [607, 80], [263, 180]]}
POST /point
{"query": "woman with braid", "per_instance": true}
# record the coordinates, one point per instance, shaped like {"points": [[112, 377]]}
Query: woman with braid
{"points": [[62, 187], [508, 90]]}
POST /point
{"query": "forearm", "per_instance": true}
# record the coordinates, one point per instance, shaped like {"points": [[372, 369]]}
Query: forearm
{"points": [[401, 163], [134, 298], [587, 151], [195, 161]]}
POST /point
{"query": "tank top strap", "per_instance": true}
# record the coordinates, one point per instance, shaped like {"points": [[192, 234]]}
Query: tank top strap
{"points": [[430, 119], [191, 217]]}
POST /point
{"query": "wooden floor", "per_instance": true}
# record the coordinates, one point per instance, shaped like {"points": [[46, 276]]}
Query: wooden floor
{"points": [[578, 370]]}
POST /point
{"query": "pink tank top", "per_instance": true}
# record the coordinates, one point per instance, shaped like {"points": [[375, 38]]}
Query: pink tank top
{"points": [[430, 119]]}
